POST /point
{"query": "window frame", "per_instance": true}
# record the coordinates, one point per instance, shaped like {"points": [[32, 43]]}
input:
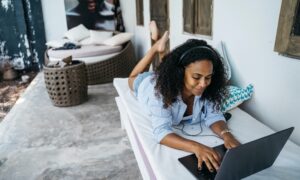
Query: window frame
{"points": [[193, 24], [287, 43], [139, 12]]}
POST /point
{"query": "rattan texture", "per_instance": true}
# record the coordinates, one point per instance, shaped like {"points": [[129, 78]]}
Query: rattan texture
{"points": [[105, 71], [118, 66], [67, 86]]}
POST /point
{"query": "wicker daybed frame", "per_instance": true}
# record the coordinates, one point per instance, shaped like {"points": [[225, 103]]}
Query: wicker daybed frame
{"points": [[105, 71]]}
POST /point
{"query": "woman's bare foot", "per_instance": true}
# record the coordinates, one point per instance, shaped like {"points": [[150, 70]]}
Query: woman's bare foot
{"points": [[154, 31], [161, 43]]}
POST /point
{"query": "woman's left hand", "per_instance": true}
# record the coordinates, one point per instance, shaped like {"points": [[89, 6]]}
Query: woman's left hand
{"points": [[230, 141]]}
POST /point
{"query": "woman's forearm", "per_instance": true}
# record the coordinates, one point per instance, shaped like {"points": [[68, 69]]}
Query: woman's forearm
{"points": [[219, 128], [202, 152], [174, 141]]}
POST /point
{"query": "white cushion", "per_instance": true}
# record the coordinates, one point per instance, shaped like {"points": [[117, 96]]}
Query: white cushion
{"points": [[98, 37], [86, 41], [162, 162], [59, 43], [84, 51], [118, 39], [88, 60], [77, 33], [225, 59]]}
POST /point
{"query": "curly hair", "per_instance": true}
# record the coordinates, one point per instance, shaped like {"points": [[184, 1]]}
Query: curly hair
{"points": [[170, 73]]}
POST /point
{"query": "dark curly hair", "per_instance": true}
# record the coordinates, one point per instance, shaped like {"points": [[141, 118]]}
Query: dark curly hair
{"points": [[169, 74]]}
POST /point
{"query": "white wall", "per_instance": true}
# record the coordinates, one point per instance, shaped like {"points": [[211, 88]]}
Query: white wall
{"points": [[54, 18], [249, 29], [142, 34]]}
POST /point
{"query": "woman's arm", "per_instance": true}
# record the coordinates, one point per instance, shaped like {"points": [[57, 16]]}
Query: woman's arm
{"points": [[221, 129], [203, 153]]}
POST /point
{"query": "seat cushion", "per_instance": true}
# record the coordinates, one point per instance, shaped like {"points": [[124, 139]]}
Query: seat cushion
{"points": [[84, 51]]}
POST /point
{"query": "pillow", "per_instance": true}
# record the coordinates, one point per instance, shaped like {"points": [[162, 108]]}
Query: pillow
{"points": [[86, 41], [98, 37], [118, 39], [59, 43], [77, 33], [221, 48], [236, 97]]}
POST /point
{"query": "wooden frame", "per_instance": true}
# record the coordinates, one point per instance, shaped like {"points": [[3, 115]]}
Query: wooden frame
{"points": [[287, 43], [197, 16], [139, 12], [159, 12]]}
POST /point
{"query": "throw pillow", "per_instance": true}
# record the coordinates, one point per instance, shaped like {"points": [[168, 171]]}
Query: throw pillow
{"points": [[98, 37], [118, 39], [86, 41], [236, 97], [77, 33]]}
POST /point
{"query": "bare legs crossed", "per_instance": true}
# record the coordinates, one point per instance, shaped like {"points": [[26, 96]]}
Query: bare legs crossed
{"points": [[144, 64]]}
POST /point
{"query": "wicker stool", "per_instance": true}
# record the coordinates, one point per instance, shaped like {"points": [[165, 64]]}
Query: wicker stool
{"points": [[66, 86]]}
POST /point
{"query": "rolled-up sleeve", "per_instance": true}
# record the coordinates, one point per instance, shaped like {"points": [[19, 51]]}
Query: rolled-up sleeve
{"points": [[212, 115], [161, 119]]}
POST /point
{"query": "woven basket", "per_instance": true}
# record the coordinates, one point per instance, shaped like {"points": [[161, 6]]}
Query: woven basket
{"points": [[66, 86]]}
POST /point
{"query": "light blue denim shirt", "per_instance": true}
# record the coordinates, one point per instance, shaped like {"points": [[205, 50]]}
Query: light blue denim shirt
{"points": [[163, 119]]}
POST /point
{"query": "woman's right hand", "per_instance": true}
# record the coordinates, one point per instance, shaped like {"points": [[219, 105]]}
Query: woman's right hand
{"points": [[208, 155]]}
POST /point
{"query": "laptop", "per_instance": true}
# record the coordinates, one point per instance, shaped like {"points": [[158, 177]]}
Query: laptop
{"points": [[241, 161]]}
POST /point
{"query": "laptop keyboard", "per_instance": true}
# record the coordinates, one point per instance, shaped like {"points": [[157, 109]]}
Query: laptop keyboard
{"points": [[204, 173]]}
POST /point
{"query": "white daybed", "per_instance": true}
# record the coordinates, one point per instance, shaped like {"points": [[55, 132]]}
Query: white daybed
{"points": [[160, 162]]}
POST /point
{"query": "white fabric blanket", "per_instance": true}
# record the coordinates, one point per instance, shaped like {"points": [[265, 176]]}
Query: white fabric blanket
{"points": [[164, 160]]}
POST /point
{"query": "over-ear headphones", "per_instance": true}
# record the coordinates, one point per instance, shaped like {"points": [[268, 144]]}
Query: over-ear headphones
{"points": [[183, 56]]}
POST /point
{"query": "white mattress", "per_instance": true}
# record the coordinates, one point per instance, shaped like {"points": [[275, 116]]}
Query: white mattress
{"points": [[164, 160], [84, 51], [89, 60]]}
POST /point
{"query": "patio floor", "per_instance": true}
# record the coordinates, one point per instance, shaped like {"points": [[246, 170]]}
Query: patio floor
{"points": [[41, 141]]}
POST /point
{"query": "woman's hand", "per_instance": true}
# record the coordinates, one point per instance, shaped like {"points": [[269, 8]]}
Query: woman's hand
{"points": [[230, 141], [208, 155]]}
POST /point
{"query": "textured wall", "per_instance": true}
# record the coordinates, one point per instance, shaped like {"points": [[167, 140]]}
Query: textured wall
{"points": [[22, 33]]}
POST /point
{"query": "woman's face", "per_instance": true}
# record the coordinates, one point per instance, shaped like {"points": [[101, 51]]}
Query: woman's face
{"points": [[197, 77]]}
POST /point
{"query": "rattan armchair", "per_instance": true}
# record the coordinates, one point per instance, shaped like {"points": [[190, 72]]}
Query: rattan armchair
{"points": [[105, 71]]}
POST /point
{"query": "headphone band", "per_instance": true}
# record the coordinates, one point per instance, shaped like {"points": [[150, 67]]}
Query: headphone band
{"points": [[192, 49]]}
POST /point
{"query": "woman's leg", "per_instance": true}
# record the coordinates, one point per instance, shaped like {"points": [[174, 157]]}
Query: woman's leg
{"points": [[144, 63], [154, 31], [155, 35], [162, 51]]}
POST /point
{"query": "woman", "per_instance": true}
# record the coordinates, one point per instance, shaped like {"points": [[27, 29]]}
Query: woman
{"points": [[188, 85]]}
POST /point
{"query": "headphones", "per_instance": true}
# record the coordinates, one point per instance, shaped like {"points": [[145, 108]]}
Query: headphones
{"points": [[183, 56]]}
